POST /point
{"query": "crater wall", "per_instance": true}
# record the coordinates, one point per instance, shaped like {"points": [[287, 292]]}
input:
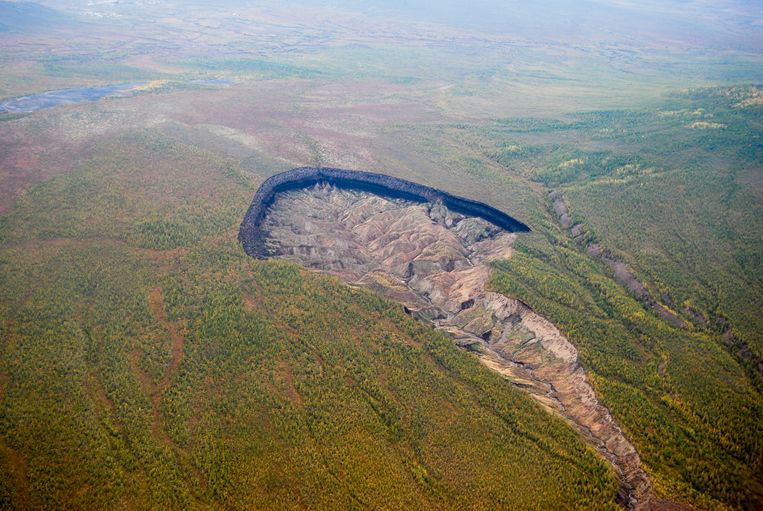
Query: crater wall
{"points": [[252, 237]]}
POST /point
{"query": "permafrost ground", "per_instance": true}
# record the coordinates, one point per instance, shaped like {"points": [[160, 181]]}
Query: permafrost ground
{"points": [[436, 262]]}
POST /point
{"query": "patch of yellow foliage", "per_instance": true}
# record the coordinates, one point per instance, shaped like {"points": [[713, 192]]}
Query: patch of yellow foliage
{"points": [[570, 163], [756, 98], [152, 85], [704, 125]]}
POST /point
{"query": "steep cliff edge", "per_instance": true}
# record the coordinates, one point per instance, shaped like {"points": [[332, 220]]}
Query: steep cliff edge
{"points": [[435, 261], [382, 185]]}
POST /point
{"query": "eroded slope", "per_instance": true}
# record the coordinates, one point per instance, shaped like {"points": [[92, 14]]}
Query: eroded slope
{"points": [[436, 261]]}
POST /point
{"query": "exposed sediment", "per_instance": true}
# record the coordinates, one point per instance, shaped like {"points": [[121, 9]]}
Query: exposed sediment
{"points": [[379, 184], [436, 262]]}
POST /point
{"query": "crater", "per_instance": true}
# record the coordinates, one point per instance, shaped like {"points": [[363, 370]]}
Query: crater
{"points": [[381, 185], [431, 252]]}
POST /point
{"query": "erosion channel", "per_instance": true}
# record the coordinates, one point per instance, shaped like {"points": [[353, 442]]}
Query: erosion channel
{"points": [[434, 259]]}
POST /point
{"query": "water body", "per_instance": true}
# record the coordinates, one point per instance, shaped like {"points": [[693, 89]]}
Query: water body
{"points": [[53, 98]]}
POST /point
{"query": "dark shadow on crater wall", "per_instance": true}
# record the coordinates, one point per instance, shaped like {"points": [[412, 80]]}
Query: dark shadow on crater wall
{"points": [[252, 238]]}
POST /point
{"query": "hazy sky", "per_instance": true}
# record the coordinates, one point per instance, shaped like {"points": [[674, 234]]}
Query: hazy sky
{"points": [[721, 23], [679, 24]]}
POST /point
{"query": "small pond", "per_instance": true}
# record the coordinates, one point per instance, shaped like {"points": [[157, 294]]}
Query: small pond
{"points": [[50, 99]]}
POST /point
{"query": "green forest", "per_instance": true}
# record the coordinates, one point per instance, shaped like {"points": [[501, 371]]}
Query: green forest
{"points": [[151, 364], [147, 363], [669, 200]]}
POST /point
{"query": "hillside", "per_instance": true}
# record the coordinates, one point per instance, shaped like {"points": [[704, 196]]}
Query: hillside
{"points": [[139, 373], [386, 354]]}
